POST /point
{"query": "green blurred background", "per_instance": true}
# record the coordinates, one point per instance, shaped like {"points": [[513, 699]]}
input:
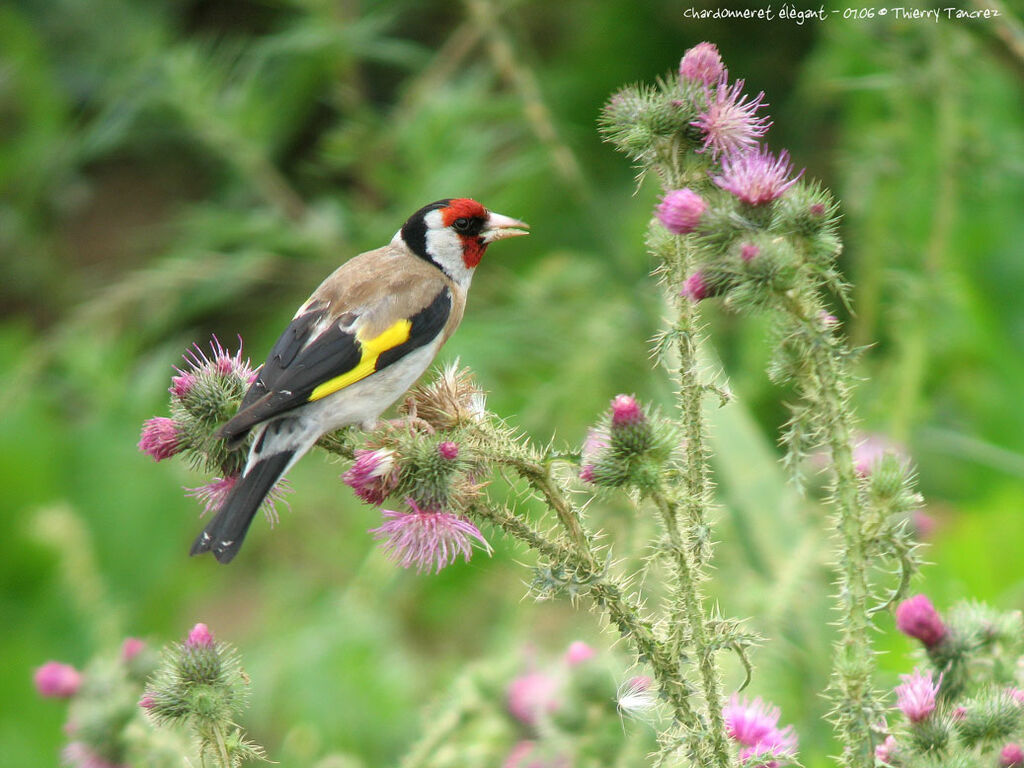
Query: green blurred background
{"points": [[170, 170]]}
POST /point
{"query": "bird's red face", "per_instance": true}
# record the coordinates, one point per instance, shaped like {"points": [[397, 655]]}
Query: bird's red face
{"points": [[454, 234]]}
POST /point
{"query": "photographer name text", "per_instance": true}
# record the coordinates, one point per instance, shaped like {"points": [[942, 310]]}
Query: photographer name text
{"points": [[798, 16]]}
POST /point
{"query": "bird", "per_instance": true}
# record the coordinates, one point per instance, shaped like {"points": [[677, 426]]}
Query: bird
{"points": [[363, 338]]}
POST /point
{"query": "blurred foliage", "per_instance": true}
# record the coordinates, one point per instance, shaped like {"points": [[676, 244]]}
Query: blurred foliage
{"points": [[172, 169]]}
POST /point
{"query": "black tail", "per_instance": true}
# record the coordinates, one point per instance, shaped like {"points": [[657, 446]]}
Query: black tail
{"points": [[226, 532]]}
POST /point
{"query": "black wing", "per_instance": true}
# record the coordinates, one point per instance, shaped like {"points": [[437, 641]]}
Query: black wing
{"points": [[297, 367]]}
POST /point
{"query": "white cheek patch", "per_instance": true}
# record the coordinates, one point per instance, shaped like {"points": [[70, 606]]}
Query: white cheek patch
{"points": [[445, 248]]}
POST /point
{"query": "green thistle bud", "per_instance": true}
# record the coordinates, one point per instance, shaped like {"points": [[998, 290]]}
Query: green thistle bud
{"points": [[990, 718]]}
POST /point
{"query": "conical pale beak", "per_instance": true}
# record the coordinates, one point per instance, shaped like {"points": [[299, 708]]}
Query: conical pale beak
{"points": [[499, 227]]}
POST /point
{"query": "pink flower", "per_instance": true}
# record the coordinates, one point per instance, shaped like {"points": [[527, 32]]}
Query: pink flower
{"points": [[578, 653], [756, 176], [147, 701], [729, 122], [886, 749], [1011, 755], [221, 362], [182, 384], [160, 438], [916, 695], [199, 635], [626, 410], [374, 475], [426, 539], [702, 63], [448, 450], [749, 252], [57, 681], [78, 754], [916, 617], [532, 696], [750, 722], [1017, 694], [680, 210], [695, 288], [754, 724], [130, 648], [213, 495]]}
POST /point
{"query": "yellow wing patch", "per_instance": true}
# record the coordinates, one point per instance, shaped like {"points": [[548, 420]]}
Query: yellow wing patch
{"points": [[370, 349]]}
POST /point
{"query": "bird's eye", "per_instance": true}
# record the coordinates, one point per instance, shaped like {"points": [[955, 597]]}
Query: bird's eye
{"points": [[461, 224]]}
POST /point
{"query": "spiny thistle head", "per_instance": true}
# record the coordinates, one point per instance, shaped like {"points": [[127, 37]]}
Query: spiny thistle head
{"points": [[204, 394], [451, 400], [915, 696], [628, 447], [427, 539], [161, 438], [436, 474], [200, 679], [756, 176], [729, 121], [754, 726], [916, 617], [680, 210], [990, 718], [373, 475], [701, 64]]}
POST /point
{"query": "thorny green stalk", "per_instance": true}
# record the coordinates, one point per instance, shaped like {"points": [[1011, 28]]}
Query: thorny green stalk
{"points": [[623, 612], [690, 548], [687, 590], [856, 709]]}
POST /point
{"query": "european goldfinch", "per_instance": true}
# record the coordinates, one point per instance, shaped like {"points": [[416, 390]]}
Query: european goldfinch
{"points": [[358, 343]]}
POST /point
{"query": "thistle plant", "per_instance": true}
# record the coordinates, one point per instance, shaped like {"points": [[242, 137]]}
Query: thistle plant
{"points": [[736, 223], [963, 704], [117, 701]]}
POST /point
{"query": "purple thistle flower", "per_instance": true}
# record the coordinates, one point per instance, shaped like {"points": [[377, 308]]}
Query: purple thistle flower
{"points": [[1011, 755], [754, 724], [680, 210], [213, 495], [729, 122], [869, 450], [199, 635], [695, 288], [78, 754], [749, 252], [579, 652], [756, 176], [57, 681], [147, 701], [221, 362], [916, 695], [448, 450], [886, 749], [374, 474], [182, 384], [702, 63], [626, 410], [750, 722], [532, 696], [426, 539], [1016, 694], [916, 617], [160, 438]]}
